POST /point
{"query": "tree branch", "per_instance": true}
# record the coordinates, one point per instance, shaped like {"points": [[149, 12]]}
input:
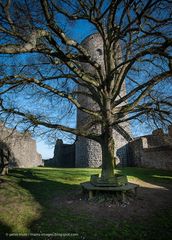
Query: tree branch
{"points": [[37, 122], [29, 46]]}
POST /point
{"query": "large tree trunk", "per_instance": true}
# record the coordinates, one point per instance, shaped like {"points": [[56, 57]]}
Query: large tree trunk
{"points": [[108, 148]]}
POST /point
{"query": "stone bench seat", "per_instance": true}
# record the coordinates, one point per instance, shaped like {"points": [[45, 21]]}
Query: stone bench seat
{"points": [[91, 189]]}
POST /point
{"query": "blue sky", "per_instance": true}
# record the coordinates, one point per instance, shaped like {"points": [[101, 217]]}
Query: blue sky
{"points": [[45, 150]]}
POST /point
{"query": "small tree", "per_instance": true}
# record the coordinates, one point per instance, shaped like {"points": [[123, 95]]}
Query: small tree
{"points": [[5, 157], [142, 30]]}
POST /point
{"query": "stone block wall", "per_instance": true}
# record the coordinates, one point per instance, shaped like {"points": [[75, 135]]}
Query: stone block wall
{"points": [[64, 156], [22, 148], [152, 151], [88, 153]]}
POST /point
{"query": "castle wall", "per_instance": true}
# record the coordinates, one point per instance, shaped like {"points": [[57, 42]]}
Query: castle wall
{"points": [[22, 148], [152, 151], [88, 153], [64, 156]]}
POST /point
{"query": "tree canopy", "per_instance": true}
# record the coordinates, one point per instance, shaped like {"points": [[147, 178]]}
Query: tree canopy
{"points": [[43, 39]]}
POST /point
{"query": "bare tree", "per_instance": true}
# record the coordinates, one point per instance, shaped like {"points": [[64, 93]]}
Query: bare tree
{"points": [[141, 29], [5, 157]]}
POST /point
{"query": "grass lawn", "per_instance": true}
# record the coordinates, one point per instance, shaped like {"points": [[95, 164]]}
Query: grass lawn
{"points": [[48, 200]]}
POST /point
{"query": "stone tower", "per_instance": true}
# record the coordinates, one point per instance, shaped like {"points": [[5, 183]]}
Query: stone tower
{"points": [[88, 152]]}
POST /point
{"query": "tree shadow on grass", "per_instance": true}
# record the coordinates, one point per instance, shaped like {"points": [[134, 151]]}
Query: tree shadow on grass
{"points": [[41, 188], [4, 230], [44, 192], [61, 214]]}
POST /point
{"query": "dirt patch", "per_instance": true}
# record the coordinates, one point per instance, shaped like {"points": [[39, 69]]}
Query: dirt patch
{"points": [[150, 199]]}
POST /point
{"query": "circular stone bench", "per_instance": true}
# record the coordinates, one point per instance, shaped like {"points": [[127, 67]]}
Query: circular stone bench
{"points": [[91, 189]]}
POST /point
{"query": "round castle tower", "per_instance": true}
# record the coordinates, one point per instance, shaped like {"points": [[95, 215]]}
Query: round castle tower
{"points": [[88, 152]]}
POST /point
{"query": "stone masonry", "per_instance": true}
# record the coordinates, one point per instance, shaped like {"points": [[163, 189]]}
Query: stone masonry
{"points": [[152, 151], [22, 148], [64, 155]]}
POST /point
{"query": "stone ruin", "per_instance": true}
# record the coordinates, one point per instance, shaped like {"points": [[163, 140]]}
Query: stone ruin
{"points": [[64, 155], [18, 149], [152, 151], [149, 151]]}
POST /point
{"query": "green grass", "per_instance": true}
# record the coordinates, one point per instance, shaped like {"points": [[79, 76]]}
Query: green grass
{"points": [[26, 206]]}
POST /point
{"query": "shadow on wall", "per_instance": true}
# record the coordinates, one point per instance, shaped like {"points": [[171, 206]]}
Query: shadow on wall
{"points": [[6, 158], [122, 156]]}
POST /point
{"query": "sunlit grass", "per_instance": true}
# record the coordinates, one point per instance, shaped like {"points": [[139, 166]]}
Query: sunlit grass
{"points": [[26, 203], [162, 177]]}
